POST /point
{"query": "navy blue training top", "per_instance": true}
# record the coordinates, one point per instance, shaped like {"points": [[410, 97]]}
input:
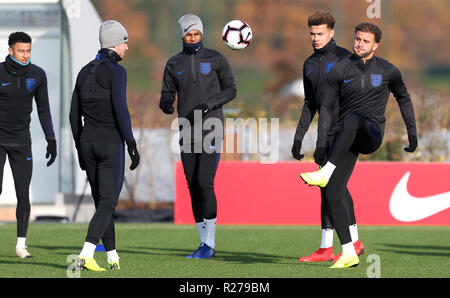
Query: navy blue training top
{"points": [[100, 98], [18, 85], [363, 88]]}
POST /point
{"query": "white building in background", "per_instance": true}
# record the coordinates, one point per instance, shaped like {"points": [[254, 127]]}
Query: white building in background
{"points": [[65, 38]]}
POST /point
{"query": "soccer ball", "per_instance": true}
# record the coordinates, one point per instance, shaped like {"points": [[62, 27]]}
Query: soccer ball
{"points": [[237, 35]]}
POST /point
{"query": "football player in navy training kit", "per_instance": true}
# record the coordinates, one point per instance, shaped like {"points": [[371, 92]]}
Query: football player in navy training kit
{"points": [[357, 93], [315, 69], [20, 81], [100, 98], [203, 81]]}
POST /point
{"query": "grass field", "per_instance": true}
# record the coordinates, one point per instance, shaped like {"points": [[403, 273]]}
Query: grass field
{"points": [[158, 250]]}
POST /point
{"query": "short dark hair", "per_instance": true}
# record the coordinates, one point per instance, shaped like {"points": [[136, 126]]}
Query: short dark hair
{"points": [[18, 37], [371, 28], [321, 18]]}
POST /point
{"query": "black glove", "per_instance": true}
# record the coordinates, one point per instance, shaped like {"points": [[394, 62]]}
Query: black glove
{"points": [[321, 155], [51, 151], [296, 150], [412, 143], [166, 107], [134, 155], [202, 107]]}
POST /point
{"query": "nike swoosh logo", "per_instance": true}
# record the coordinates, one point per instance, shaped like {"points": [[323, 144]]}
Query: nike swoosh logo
{"points": [[346, 81], [407, 208], [180, 72], [6, 84], [185, 30]]}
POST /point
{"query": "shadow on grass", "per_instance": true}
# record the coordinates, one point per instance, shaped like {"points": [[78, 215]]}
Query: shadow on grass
{"points": [[59, 250], [221, 255], [26, 263], [240, 257], [434, 250]]}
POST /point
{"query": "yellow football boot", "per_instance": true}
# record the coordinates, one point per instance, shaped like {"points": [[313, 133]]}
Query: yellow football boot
{"points": [[315, 178], [345, 261], [88, 264]]}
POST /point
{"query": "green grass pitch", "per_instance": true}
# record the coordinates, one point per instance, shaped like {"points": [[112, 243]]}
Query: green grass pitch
{"points": [[155, 250]]}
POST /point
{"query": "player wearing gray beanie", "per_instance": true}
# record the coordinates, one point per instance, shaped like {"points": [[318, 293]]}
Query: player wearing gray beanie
{"points": [[188, 23], [201, 81], [99, 100], [112, 33]]}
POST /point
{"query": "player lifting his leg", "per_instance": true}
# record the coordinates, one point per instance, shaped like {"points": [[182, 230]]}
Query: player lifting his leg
{"points": [[358, 88], [315, 69]]}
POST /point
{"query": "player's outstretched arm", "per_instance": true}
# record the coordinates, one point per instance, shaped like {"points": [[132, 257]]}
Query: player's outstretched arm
{"points": [[401, 94]]}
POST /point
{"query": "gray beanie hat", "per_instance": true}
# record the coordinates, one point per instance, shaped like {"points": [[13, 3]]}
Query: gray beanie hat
{"points": [[112, 33], [190, 22]]}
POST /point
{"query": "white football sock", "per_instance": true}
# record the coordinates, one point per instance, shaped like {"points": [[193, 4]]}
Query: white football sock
{"points": [[112, 256], [21, 242], [354, 233], [201, 227], [328, 169], [327, 238], [210, 232], [348, 249], [88, 250]]}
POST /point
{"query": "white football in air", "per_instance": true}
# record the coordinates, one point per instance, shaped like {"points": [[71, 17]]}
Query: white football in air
{"points": [[237, 35]]}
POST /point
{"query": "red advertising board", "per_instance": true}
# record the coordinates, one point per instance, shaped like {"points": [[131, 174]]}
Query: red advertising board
{"points": [[384, 193]]}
